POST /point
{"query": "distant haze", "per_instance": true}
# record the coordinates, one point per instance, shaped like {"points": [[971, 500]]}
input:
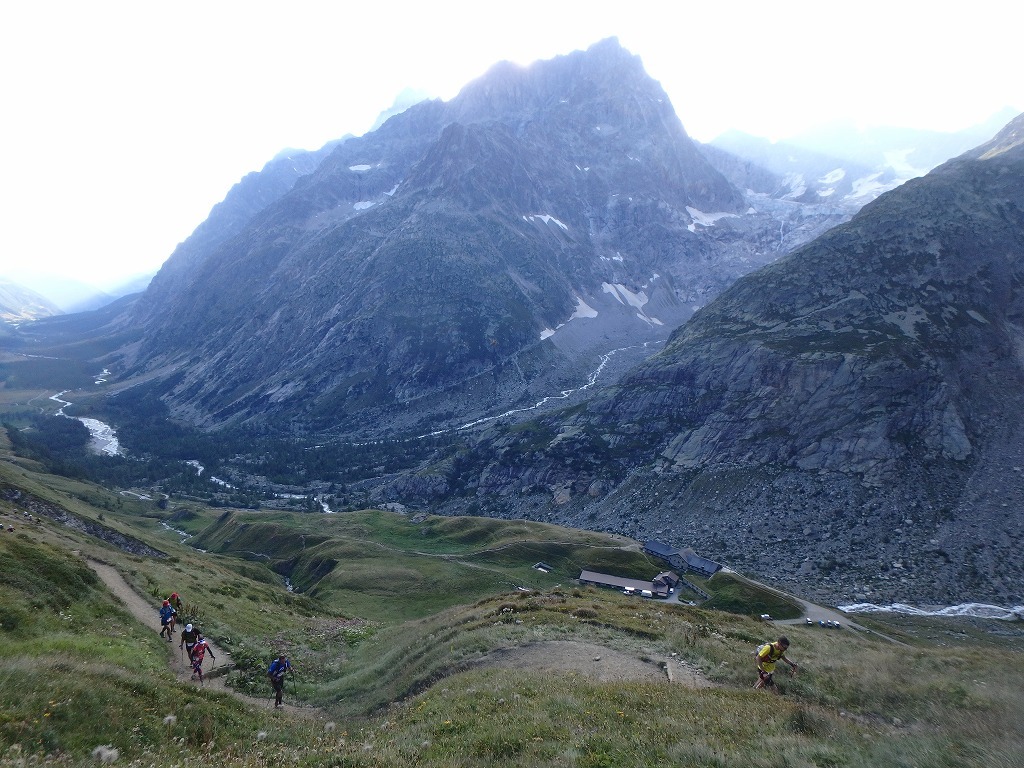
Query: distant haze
{"points": [[127, 122]]}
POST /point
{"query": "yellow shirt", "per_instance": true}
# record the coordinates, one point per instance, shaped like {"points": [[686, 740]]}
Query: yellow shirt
{"points": [[769, 654]]}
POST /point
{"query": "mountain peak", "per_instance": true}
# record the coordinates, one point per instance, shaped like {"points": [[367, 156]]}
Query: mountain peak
{"points": [[467, 233], [603, 69]]}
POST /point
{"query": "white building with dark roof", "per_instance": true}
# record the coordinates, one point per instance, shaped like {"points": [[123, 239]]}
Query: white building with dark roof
{"points": [[681, 559]]}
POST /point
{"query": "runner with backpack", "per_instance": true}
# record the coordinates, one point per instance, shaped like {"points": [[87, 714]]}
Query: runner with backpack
{"points": [[167, 614], [189, 637], [276, 672], [767, 656]]}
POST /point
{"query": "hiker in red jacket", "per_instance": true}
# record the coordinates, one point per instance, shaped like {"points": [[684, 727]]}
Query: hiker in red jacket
{"points": [[199, 651]]}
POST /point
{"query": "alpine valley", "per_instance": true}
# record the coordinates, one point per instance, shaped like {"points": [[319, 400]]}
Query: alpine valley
{"points": [[542, 300]]}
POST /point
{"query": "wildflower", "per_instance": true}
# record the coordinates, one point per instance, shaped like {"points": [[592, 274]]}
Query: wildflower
{"points": [[261, 736], [170, 720]]}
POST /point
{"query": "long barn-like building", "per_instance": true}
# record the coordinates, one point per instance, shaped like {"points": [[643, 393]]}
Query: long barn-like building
{"points": [[661, 585]]}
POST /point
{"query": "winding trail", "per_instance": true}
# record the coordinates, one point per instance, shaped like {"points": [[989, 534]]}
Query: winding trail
{"points": [[213, 675]]}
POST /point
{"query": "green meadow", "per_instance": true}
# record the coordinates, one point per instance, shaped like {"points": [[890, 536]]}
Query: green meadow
{"points": [[394, 623]]}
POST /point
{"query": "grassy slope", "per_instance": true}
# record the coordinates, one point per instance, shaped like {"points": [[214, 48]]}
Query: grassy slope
{"points": [[386, 567], [80, 672], [397, 670]]}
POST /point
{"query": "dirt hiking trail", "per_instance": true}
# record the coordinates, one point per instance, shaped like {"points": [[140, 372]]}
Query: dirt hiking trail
{"points": [[214, 669], [597, 662]]}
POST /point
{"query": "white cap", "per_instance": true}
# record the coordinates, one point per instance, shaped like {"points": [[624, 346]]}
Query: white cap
{"points": [[188, 627]]}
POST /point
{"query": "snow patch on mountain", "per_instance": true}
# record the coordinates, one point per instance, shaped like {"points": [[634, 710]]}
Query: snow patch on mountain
{"points": [[706, 219], [583, 310], [797, 185], [624, 295], [637, 300], [833, 177], [870, 187], [546, 218], [897, 160]]}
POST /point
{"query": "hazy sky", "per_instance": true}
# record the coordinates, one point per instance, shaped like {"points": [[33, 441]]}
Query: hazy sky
{"points": [[123, 123]]}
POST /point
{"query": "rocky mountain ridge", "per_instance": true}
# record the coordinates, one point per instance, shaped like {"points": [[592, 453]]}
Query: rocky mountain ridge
{"points": [[463, 253], [847, 419]]}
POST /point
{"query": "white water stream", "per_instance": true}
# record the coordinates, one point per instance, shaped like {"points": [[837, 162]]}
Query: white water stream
{"points": [[104, 439], [971, 610]]}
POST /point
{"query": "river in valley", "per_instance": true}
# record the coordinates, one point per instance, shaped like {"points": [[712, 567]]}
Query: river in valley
{"points": [[104, 439]]}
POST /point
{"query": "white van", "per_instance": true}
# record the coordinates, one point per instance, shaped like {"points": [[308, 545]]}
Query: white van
{"points": [[646, 593]]}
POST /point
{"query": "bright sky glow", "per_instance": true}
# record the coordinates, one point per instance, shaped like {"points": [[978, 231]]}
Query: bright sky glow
{"points": [[125, 122]]}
